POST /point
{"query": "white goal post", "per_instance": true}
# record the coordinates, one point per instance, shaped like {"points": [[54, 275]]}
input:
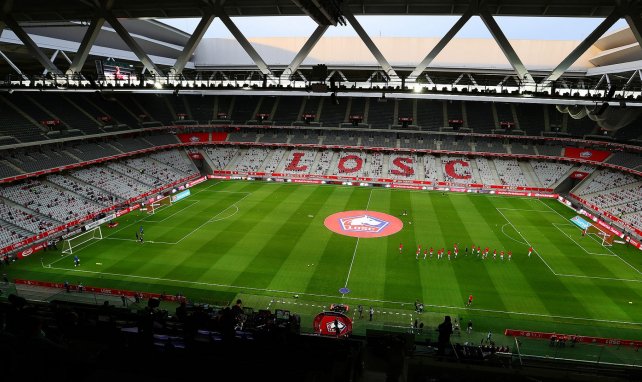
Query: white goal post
{"points": [[604, 236], [72, 243], [151, 208]]}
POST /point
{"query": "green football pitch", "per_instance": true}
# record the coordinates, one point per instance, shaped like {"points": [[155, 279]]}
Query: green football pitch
{"points": [[267, 244]]}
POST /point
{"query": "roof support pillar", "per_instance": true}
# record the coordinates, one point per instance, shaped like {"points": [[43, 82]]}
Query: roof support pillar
{"points": [[583, 47], [132, 44], [31, 46], [193, 42], [85, 45], [385, 65], [441, 45], [304, 51], [505, 46], [13, 66], [240, 37]]}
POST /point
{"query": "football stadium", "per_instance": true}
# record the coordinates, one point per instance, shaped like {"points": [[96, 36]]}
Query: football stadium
{"points": [[320, 205]]}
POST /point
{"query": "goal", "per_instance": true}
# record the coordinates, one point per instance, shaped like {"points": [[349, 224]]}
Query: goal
{"points": [[605, 237], [70, 245], [156, 204]]}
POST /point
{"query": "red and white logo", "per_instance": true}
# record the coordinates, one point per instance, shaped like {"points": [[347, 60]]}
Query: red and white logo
{"points": [[194, 138], [26, 252], [363, 223], [586, 154]]}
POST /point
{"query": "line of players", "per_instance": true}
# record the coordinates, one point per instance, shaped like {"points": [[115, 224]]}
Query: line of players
{"points": [[474, 250]]}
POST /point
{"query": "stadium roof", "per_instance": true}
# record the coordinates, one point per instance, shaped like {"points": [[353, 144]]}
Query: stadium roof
{"points": [[62, 10], [80, 30]]}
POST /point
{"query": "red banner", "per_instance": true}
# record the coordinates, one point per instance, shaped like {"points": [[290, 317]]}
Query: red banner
{"points": [[568, 337], [579, 175], [196, 156], [194, 137], [90, 289], [586, 154]]}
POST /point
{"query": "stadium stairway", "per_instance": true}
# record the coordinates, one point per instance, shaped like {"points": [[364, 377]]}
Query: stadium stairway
{"points": [[531, 178]]}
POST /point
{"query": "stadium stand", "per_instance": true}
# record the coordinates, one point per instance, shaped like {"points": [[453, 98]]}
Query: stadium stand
{"points": [[375, 165], [288, 111], [273, 159], [56, 204], [90, 151], [485, 169], [510, 173], [251, 159], [380, 113], [604, 179], [115, 183], [625, 159], [14, 124], [68, 112], [221, 156], [156, 106], [431, 172], [549, 173], [176, 160], [201, 108], [161, 139], [305, 162], [244, 108], [28, 221], [130, 144], [530, 117], [88, 192], [461, 168], [323, 163], [480, 117], [32, 161], [333, 114], [430, 114], [7, 170]]}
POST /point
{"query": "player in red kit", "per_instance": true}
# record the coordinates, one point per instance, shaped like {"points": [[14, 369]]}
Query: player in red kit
{"points": [[400, 247], [470, 300], [530, 250]]}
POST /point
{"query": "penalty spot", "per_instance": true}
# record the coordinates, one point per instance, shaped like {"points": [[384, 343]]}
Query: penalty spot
{"points": [[99, 263]]}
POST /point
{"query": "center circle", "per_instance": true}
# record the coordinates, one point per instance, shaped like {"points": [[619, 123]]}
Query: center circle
{"points": [[364, 224]]}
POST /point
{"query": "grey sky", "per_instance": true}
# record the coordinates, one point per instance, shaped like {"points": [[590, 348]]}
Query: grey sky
{"points": [[538, 28]]}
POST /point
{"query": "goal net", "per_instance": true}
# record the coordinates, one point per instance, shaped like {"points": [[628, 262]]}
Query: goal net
{"points": [[605, 237], [71, 244], [151, 208]]}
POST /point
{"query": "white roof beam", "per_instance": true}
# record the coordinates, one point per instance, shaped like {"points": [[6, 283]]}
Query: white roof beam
{"points": [[53, 59], [304, 51], [505, 45], [385, 65], [635, 23], [13, 66], [240, 37], [31, 46], [583, 47], [132, 44], [193, 41], [441, 44], [85, 45]]}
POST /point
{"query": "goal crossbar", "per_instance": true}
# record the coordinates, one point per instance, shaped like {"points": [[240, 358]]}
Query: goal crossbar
{"points": [[72, 243], [605, 237]]}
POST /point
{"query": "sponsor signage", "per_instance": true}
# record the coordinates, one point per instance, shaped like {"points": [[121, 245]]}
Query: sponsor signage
{"points": [[583, 224], [569, 337], [181, 195], [98, 222], [586, 154]]}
